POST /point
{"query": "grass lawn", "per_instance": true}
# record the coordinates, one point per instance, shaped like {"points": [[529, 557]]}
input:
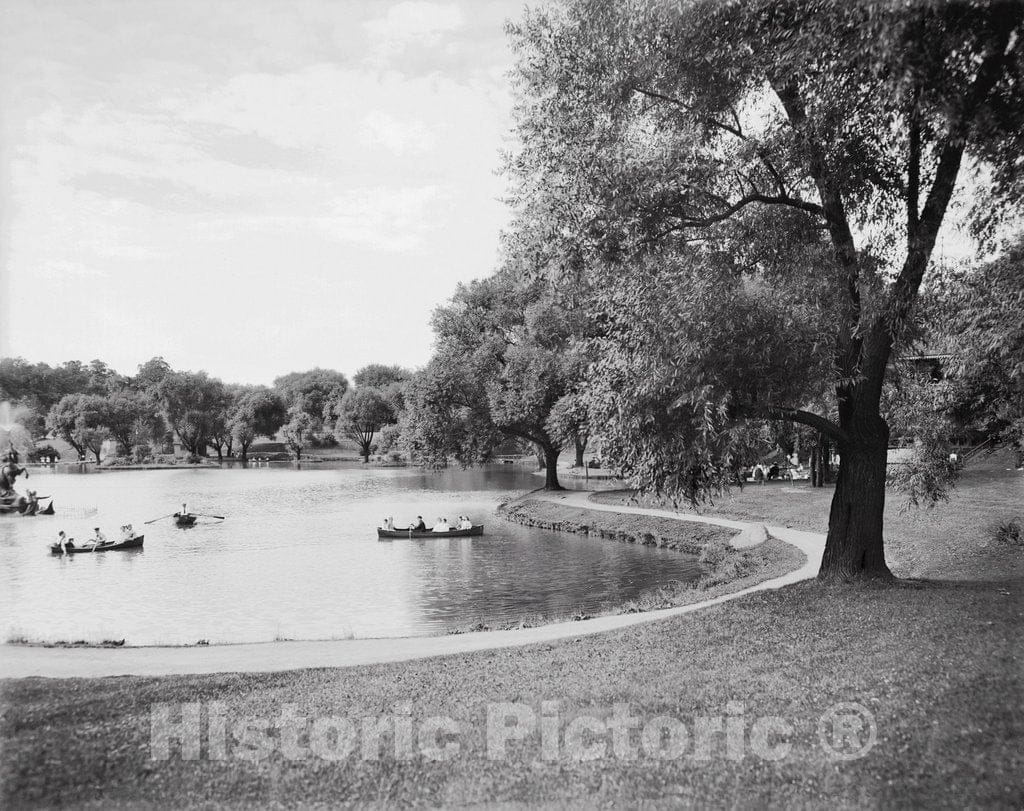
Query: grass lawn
{"points": [[937, 664], [953, 539]]}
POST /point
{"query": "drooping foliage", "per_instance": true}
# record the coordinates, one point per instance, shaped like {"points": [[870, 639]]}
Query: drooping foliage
{"points": [[361, 414], [732, 148], [194, 405], [503, 359], [258, 411], [983, 320], [311, 391]]}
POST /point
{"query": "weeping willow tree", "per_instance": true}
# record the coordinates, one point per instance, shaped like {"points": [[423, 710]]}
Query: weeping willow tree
{"points": [[759, 187]]}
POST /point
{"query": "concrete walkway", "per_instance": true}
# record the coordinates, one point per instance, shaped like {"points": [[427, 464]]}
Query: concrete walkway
{"points": [[20, 661]]}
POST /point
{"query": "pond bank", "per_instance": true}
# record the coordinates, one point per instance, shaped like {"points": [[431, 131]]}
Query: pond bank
{"points": [[729, 563], [932, 667], [19, 661]]}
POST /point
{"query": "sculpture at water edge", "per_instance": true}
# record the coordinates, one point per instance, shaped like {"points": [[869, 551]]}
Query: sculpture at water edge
{"points": [[11, 431]]}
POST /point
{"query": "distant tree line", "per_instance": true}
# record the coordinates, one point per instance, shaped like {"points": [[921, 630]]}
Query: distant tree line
{"points": [[146, 413]]}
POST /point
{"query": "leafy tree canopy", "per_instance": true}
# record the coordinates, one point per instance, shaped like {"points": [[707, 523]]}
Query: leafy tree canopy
{"points": [[502, 362], [732, 149], [983, 318], [362, 413], [380, 375], [194, 405], [311, 391]]}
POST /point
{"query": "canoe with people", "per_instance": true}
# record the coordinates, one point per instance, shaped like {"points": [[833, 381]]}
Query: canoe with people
{"points": [[463, 528], [98, 543]]}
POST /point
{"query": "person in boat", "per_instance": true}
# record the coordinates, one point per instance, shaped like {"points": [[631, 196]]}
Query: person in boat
{"points": [[33, 503], [464, 522], [419, 525], [65, 542], [441, 525], [389, 523], [98, 539]]}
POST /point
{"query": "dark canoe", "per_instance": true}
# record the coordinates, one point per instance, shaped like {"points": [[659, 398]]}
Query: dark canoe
{"points": [[185, 520], [476, 529], [134, 543]]}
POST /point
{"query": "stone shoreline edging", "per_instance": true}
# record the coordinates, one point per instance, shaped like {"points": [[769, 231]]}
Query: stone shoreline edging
{"points": [[17, 661], [517, 513]]}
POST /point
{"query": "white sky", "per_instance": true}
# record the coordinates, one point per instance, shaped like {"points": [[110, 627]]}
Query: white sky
{"points": [[249, 188]]}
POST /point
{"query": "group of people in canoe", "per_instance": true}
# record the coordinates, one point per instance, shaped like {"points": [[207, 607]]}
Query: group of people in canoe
{"points": [[419, 525], [66, 544]]}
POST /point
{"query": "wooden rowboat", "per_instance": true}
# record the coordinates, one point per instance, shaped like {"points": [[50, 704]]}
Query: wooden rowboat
{"points": [[134, 543], [407, 532], [187, 520]]}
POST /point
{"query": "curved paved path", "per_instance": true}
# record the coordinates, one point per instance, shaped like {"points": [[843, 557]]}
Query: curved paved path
{"points": [[19, 661]]}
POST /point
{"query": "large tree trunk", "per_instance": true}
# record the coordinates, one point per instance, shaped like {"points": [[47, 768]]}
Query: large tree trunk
{"points": [[854, 545], [581, 446], [551, 467]]}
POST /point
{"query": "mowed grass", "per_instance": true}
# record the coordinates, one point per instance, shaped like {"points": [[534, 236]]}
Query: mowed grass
{"points": [[953, 539], [936, 663], [938, 667]]}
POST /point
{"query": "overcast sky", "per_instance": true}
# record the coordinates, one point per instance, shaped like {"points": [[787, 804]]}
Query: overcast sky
{"points": [[249, 188]]}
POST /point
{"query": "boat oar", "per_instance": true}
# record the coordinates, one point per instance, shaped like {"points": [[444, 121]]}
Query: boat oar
{"points": [[204, 515], [161, 518]]}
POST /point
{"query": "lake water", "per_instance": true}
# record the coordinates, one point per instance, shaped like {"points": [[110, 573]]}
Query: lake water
{"points": [[298, 558]]}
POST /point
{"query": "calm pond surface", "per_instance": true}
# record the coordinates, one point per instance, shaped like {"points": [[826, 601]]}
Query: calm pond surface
{"points": [[298, 558]]}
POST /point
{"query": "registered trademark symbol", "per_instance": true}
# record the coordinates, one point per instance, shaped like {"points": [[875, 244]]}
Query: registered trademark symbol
{"points": [[847, 730]]}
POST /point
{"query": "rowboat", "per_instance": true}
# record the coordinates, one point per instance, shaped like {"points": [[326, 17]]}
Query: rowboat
{"points": [[186, 520], [133, 543], [408, 532]]}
